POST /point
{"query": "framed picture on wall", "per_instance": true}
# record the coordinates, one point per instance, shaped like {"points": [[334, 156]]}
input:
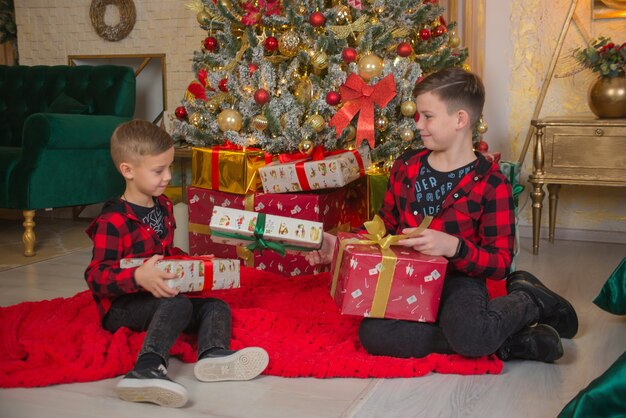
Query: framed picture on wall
{"points": [[151, 95], [608, 9]]}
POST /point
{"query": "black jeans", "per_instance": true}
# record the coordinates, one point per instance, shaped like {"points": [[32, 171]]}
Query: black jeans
{"points": [[468, 323], [165, 318]]}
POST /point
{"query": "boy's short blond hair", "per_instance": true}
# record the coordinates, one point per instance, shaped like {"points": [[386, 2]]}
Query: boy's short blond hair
{"points": [[137, 138], [458, 89]]}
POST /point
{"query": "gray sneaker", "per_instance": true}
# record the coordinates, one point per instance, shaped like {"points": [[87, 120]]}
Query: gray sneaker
{"points": [[244, 364], [152, 385]]}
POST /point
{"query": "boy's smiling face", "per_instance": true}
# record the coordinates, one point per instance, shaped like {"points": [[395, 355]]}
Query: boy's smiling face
{"points": [[438, 128], [151, 175]]}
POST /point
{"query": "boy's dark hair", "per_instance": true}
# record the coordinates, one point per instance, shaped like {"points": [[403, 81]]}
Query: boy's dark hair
{"points": [[137, 138], [457, 88]]}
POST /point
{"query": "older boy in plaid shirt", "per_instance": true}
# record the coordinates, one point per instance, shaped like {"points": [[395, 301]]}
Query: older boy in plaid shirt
{"points": [[473, 227]]}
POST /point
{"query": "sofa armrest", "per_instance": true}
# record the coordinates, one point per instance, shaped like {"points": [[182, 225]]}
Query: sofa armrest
{"points": [[60, 131]]}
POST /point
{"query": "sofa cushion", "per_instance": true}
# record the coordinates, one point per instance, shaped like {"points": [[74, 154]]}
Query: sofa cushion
{"points": [[9, 156], [64, 103]]}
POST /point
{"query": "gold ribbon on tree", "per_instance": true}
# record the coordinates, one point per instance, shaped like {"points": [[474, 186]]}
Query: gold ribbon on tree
{"points": [[357, 96], [377, 235]]}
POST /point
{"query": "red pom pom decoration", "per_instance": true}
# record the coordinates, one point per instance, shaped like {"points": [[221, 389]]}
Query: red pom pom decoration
{"points": [[481, 146], [317, 19], [180, 112], [270, 44], [439, 30], [404, 49], [222, 85], [349, 55], [210, 44], [333, 98], [252, 67], [261, 96], [424, 34]]}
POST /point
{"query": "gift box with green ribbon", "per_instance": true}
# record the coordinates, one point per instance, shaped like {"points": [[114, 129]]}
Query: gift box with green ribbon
{"points": [[373, 277], [258, 231]]}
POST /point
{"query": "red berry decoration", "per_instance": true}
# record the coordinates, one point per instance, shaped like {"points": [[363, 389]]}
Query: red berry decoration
{"points": [[333, 98], [180, 112], [222, 85], [349, 55], [210, 44], [424, 34], [252, 67], [481, 146], [317, 19], [261, 96], [404, 49], [270, 44], [439, 30]]}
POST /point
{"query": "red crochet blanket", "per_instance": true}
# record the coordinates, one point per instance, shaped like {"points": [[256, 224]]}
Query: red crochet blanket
{"points": [[294, 319]]}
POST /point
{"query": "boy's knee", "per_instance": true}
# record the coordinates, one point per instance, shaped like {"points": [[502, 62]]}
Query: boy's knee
{"points": [[369, 329], [181, 304], [470, 341]]}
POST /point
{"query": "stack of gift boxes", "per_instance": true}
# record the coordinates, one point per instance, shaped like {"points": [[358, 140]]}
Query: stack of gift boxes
{"points": [[329, 189]]}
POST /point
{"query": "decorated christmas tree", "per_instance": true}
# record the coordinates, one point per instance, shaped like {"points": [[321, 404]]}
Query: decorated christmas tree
{"points": [[287, 76]]}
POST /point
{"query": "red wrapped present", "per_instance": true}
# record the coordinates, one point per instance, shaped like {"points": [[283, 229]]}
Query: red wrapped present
{"points": [[373, 278], [338, 209]]}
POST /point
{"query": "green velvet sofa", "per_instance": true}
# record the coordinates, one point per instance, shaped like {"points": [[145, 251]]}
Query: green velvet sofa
{"points": [[55, 126]]}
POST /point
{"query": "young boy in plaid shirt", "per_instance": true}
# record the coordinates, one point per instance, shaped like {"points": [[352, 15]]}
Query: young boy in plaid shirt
{"points": [[140, 223], [473, 227]]}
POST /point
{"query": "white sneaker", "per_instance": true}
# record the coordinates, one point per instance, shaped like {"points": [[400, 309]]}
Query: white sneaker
{"points": [[244, 364], [153, 386]]}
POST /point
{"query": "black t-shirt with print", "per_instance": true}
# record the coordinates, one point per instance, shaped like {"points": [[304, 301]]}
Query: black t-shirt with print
{"points": [[154, 217], [432, 186]]}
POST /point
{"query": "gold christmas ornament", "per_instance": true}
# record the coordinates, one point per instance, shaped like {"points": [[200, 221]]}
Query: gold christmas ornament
{"points": [[374, 20], [259, 122], [408, 108], [203, 18], [344, 16], [229, 120], [379, 10], [381, 123], [370, 66], [482, 127], [453, 39], [303, 91], [195, 119], [320, 60], [466, 67], [306, 146], [316, 122], [288, 43], [407, 135], [351, 133], [302, 10]]}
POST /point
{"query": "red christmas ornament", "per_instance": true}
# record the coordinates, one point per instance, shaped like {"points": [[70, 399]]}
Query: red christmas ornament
{"points": [[404, 49], [222, 85], [481, 146], [261, 96], [270, 44], [439, 30], [252, 67], [349, 55], [317, 19], [424, 34], [210, 44], [180, 112], [333, 98], [416, 117]]}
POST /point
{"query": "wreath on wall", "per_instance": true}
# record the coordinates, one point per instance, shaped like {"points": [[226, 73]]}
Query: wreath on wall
{"points": [[119, 31]]}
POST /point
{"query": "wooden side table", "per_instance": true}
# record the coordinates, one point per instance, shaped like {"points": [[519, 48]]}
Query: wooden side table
{"points": [[577, 151]]}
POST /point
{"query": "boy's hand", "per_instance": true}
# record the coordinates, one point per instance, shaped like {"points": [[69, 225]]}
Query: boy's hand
{"points": [[153, 280], [431, 242], [325, 254]]}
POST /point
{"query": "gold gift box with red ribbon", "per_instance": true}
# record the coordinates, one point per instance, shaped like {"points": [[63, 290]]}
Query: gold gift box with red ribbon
{"points": [[373, 278], [227, 168]]}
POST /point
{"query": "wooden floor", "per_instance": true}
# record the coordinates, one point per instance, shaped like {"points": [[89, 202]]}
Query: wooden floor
{"points": [[524, 389]]}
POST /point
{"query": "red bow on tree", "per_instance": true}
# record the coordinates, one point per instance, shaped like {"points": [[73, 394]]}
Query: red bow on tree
{"points": [[357, 96]]}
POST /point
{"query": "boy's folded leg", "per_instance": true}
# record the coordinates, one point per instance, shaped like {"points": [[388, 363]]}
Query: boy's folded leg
{"points": [[556, 311], [219, 365], [152, 385]]}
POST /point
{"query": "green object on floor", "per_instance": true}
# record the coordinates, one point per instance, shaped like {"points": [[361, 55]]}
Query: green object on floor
{"points": [[612, 297]]}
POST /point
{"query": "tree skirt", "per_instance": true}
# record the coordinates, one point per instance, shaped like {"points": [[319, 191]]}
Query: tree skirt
{"points": [[294, 319]]}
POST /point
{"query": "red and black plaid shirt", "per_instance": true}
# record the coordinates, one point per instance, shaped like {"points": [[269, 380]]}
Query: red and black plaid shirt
{"points": [[117, 233], [479, 210]]}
